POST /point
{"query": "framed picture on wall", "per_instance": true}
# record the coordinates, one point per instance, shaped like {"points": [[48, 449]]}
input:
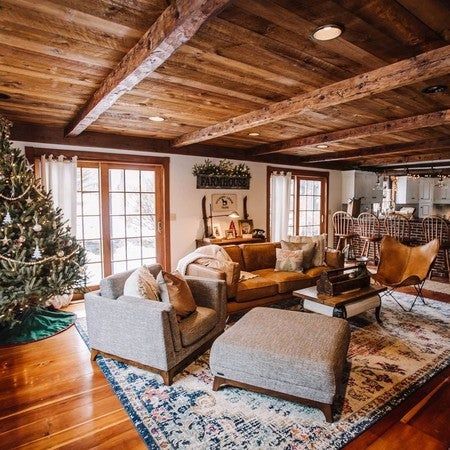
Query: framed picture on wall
{"points": [[245, 226], [217, 231], [223, 203], [229, 234]]}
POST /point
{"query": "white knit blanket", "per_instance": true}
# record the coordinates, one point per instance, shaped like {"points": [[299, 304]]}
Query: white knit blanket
{"points": [[212, 252], [208, 251]]}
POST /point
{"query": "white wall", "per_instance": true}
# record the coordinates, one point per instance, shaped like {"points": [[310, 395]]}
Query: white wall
{"points": [[185, 200]]}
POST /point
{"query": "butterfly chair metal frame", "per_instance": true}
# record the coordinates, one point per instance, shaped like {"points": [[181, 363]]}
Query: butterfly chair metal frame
{"points": [[402, 265]]}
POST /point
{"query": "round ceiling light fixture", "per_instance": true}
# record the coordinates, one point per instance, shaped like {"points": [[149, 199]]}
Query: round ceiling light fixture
{"points": [[322, 146], [4, 96], [436, 89], [157, 119], [327, 32], [253, 133]]}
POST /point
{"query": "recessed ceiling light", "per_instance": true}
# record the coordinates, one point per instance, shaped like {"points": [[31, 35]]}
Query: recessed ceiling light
{"points": [[4, 96], [157, 119], [327, 32], [253, 133], [322, 146], [436, 89]]}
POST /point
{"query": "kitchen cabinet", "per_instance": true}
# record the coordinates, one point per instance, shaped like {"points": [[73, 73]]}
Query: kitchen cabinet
{"points": [[426, 187], [442, 193], [425, 210], [426, 194], [407, 190]]}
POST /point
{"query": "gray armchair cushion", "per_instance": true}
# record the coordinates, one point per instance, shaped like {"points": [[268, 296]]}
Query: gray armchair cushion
{"points": [[195, 326], [112, 286]]}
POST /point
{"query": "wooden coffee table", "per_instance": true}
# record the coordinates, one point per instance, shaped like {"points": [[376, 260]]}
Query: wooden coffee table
{"points": [[346, 305]]}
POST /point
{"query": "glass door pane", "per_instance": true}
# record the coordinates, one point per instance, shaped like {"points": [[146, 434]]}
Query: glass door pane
{"points": [[133, 217], [309, 207], [89, 231]]}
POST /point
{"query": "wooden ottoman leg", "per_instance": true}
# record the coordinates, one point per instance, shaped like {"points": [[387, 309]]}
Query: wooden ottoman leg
{"points": [[94, 354], [218, 381]]}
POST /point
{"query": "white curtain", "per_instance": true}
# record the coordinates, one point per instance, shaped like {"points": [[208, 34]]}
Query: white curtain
{"points": [[280, 191], [59, 176]]}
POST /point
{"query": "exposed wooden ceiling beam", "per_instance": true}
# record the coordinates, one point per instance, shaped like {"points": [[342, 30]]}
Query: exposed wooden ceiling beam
{"points": [[427, 65], [429, 155], [32, 133], [390, 126], [175, 26], [381, 150], [420, 165], [403, 172]]}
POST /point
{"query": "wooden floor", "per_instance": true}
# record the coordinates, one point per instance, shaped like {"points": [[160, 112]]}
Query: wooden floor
{"points": [[51, 396]]}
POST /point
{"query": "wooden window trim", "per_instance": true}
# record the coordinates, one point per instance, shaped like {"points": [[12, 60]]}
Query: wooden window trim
{"points": [[322, 176], [87, 157]]}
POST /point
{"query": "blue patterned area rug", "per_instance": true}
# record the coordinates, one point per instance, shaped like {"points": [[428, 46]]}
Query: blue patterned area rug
{"points": [[388, 363]]}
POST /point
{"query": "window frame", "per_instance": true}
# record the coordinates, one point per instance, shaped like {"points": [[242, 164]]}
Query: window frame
{"points": [[105, 160], [297, 175]]}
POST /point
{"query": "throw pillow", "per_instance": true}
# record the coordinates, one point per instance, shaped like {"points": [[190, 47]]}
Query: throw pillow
{"points": [[309, 250], [321, 244], [175, 290], [289, 260], [141, 283]]}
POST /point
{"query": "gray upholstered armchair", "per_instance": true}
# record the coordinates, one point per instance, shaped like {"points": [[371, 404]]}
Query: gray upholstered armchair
{"points": [[146, 333]]}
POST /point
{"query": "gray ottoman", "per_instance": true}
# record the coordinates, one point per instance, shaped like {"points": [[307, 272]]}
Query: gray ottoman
{"points": [[293, 355]]}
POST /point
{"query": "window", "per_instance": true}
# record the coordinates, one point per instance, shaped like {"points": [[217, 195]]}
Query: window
{"points": [[307, 202], [120, 217], [132, 217], [89, 220], [122, 209]]}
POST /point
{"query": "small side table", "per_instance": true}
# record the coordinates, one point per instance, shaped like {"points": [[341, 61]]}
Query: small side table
{"points": [[346, 305]]}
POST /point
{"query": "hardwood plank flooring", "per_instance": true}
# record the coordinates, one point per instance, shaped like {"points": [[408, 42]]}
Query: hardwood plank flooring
{"points": [[51, 396]]}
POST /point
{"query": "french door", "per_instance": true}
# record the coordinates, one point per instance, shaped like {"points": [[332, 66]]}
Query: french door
{"points": [[120, 216]]}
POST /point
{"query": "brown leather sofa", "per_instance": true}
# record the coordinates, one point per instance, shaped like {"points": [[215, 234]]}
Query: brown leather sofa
{"points": [[270, 286]]}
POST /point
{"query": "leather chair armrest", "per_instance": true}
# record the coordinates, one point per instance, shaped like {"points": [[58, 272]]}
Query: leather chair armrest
{"points": [[334, 258], [199, 270]]}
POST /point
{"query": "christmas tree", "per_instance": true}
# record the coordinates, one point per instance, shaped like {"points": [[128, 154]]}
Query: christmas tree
{"points": [[39, 257]]}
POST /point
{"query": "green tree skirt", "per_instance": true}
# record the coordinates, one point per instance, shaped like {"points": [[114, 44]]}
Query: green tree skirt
{"points": [[39, 323]]}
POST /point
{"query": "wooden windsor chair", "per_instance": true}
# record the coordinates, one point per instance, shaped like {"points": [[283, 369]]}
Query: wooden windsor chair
{"points": [[398, 226], [437, 228], [344, 226], [369, 233]]}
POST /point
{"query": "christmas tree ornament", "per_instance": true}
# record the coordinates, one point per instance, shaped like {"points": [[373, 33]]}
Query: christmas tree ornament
{"points": [[22, 238], [37, 227], [7, 219], [37, 254], [60, 254]]}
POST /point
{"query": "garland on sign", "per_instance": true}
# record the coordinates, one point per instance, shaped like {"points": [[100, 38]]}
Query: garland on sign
{"points": [[224, 168]]}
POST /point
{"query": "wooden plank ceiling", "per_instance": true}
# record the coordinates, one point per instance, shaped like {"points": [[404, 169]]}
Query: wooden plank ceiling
{"points": [[55, 54]]}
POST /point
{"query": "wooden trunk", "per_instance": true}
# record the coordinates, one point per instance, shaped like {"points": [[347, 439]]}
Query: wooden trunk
{"points": [[335, 282]]}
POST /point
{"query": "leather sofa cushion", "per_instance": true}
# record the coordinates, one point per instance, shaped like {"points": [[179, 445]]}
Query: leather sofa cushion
{"points": [[255, 288], [235, 253], [197, 325], [316, 271], [259, 256], [286, 281]]}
